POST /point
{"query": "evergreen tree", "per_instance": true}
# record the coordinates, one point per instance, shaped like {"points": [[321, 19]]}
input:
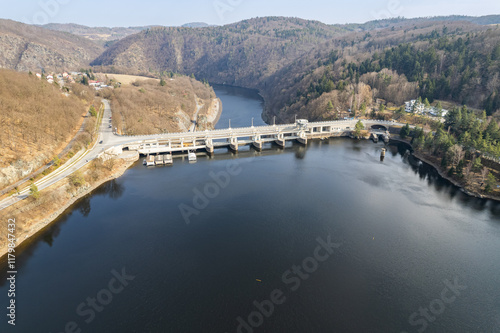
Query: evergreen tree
{"points": [[329, 107], [358, 128], [405, 131], [439, 107], [492, 130], [491, 182], [460, 169], [34, 192], [444, 161], [477, 165], [56, 161], [495, 55], [92, 111]]}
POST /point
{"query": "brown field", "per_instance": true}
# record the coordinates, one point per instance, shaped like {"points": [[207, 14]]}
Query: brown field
{"points": [[124, 79], [146, 107]]}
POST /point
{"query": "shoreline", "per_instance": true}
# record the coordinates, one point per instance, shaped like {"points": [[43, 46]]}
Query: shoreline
{"points": [[443, 175], [219, 112], [40, 226], [47, 221]]}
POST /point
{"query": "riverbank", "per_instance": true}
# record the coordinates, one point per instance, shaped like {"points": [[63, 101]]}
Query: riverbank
{"points": [[218, 112], [33, 217], [443, 173], [214, 111]]}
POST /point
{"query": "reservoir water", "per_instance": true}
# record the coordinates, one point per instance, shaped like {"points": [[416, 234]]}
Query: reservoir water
{"points": [[323, 238]]}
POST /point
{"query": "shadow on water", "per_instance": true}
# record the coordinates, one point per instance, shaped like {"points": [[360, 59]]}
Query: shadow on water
{"points": [[300, 153], [112, 189], [434, 180]]}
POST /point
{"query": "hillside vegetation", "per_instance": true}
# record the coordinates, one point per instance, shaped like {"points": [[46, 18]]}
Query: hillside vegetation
{"points": [[397, 21], [455, 62], [25, 47], [241, 54], [148, 107], [36, 121], [317, 70]]}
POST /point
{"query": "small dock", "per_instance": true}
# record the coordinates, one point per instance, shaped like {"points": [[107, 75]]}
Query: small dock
{"points": [[150, 160], [191, 157], [159, 160]]}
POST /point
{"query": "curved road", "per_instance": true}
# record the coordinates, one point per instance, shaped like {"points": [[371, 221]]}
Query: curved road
{"points": [[108, 139]]}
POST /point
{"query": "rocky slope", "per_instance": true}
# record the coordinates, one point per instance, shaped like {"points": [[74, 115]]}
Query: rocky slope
{"points": [[148, 107], [25, 47]]}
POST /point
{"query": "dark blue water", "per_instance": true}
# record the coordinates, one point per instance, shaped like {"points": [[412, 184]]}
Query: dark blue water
{"points": [[409, 251]]}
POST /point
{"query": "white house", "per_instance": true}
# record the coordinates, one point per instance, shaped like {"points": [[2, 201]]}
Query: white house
{"points": [[414, 106], [409, 105], [435, 112]]}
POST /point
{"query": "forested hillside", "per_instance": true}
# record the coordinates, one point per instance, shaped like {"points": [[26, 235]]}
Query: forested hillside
{"points": [[388, 23], [25, 47], [36, 121], [242, 54], [316, 70], [459, 63]]}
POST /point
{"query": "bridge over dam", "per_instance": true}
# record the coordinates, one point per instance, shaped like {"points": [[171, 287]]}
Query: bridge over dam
{"points": [[257, 136]]}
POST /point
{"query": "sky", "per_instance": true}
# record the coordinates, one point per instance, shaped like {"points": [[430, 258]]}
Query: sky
{"points": [[125, 13]]}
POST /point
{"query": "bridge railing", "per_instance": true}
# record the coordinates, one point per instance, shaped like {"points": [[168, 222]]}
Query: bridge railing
{"points": [[247, 131]]}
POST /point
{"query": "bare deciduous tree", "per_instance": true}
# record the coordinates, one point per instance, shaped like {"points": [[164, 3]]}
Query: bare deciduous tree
{"points": [[484, 173]]}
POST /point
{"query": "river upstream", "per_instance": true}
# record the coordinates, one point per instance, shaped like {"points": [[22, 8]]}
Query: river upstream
{"points": [[323, 238]]}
